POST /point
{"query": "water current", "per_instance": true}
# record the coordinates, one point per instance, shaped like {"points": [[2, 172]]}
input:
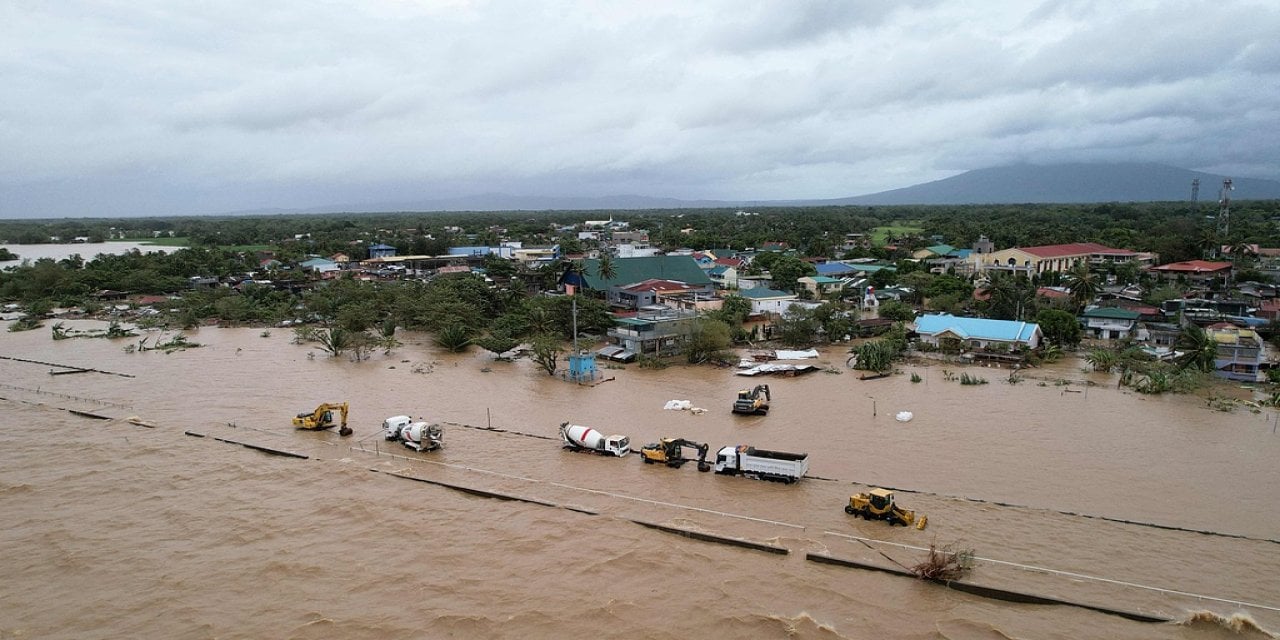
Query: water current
{"points": [[1158, 506]]}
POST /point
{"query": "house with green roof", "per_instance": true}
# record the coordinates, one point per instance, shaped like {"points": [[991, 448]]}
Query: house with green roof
{"points": [[936, 251], [1109, 323], [633, 270], [823, 286]]}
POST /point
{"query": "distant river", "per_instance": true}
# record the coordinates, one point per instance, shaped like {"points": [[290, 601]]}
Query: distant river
{"points": [[87, 251]]}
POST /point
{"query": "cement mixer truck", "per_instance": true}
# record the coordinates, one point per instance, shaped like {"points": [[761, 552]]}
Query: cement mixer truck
{"points": [[579, 438], [419, 436]]}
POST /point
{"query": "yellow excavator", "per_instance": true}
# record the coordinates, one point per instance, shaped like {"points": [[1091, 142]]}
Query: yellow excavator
{"points": [[878, 504], [323, 418], [668, 451], [753, 401]]}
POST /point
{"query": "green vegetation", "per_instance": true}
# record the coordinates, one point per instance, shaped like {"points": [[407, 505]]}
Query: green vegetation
{"points": [[510, 306], [880, 235]]}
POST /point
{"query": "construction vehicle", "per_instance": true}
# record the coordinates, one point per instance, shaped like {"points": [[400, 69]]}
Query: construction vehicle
{"points": [[323, 418], [753, 402], [669, 451], [419, 435], [878, 504], [579, 438], [775, 466]]}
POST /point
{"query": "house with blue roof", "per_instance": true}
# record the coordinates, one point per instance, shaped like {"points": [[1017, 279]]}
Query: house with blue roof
{"points": [[724, 276], [319, 265], [978, 333], [834, 269], [382, 251]]}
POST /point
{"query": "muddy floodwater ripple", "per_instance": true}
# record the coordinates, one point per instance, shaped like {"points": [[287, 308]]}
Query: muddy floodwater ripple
{"points": [[163, 525]]}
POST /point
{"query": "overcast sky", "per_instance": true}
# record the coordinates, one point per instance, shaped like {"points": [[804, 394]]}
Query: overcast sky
{"points": [[156, 107]]}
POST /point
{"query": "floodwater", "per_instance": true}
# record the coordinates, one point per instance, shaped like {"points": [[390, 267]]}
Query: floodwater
{"points": [[1160, 506], [87, 251]]}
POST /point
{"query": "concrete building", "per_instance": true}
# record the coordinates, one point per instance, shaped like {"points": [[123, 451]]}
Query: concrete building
{"points": [[1109, 323], [768, 300], [655, 330], [1241, 353]]}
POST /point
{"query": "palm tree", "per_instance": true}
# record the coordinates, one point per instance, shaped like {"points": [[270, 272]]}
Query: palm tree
{"points": [[1083, 284], [1011, 297], [605, 267], [1199, 349]]}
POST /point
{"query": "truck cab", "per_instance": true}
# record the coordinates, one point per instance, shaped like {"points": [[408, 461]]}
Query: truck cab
{"points": [[618, 445]]}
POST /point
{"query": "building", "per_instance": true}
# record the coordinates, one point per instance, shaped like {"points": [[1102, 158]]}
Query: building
{"points": [[835, 269], [648, 292], [1241, 353], [1109, 323], [724, 277], [655, 330], [768, 301], [823, 286], [534, 257], [1055, 258], [382, 251], [977, 333], [319, 265], [1203, 272], [636, 250], [632, 270]]}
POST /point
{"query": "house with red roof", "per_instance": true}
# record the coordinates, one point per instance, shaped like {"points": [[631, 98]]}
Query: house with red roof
{"points": [[648, 292], [1053, 258], [1194, 271]]}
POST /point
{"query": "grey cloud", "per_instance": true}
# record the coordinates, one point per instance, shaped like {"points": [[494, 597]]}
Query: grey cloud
{"points": [[166, 108]]}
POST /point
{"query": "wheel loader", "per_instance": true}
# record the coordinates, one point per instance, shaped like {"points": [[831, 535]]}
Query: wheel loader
{"points": [[878, 504]]}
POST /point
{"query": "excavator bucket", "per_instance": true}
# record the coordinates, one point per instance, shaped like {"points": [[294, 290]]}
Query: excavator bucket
{"points": [[920, 523]]}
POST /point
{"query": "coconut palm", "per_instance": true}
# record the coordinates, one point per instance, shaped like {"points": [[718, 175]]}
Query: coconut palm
{"points": [[1011, 298], [1083, 284], [1198, 349], [605, 268]]}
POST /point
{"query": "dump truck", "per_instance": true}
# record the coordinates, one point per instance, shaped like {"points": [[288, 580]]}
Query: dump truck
{"points": [[878, 504], [753, 401], [417, 435], [579, 438], [776, 466]]}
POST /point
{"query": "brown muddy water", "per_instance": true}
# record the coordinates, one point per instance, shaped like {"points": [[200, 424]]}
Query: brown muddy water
{"points": [[1159, 506]]}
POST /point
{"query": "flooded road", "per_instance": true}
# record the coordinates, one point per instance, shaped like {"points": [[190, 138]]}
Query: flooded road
{"points": [[1154, 505]]}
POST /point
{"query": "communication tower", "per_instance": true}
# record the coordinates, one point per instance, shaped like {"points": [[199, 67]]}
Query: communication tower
{"points": [[1195, 192], [1224, 208]]}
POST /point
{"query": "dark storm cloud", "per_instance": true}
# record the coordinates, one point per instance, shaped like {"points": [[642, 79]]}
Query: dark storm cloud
{"points": [[156, 107]]}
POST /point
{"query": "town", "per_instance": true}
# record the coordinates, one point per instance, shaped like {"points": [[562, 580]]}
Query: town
{"points": [[650, 286]]}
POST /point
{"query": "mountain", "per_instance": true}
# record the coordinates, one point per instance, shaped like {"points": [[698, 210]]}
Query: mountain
{"points": [[1017, 184], [508, 202], [1069, 183]]}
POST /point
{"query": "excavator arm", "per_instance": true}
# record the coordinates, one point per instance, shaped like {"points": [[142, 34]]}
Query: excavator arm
{"points": [[700, 447], [323, 418]]}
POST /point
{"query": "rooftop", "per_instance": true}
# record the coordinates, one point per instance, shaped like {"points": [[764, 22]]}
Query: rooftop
{"points": [[980, 328], [1072, 249]]}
